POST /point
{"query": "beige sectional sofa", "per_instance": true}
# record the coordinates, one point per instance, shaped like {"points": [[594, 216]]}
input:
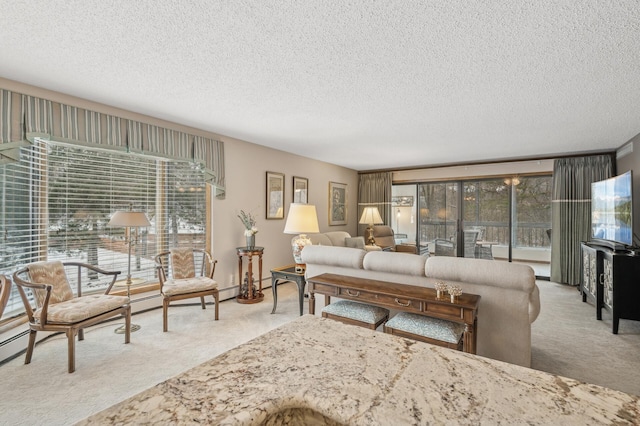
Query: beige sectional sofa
{"points": [[340, 239], [509, 302]]}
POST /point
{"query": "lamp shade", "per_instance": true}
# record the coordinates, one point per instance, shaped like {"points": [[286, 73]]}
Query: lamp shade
{"points": [[370, 216], [129, 218], [302, 219]]}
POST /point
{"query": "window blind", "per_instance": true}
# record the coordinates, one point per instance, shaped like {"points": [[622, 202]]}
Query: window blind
{"points": [[57, 202]]}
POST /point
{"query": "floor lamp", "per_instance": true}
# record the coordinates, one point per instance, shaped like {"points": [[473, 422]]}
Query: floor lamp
{"points": [[128, 220]]}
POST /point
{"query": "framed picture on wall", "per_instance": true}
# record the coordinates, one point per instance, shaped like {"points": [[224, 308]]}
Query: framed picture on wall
{"points": [[300, 190], [275, 195], [337, 203]]}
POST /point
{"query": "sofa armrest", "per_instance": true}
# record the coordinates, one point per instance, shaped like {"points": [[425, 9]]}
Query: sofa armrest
{"points": [[334, 256], [534, 304]]}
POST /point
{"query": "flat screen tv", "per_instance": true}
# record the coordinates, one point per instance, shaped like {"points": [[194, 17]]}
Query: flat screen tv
{"points": [[611, 211]]}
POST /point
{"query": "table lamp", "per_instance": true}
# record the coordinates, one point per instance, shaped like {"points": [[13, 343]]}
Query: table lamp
{"points": [[370, 216], [302, 219], [128, 220]]}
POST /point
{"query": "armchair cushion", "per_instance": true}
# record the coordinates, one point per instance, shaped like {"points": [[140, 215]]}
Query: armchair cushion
{"points": [[51, 273], [182, 263], [81, 308], [188, 285]]}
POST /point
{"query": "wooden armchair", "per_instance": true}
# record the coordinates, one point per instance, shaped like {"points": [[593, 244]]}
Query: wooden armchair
{"points": [[5, 291], [385, 238], [58, 310], [183, 283]]}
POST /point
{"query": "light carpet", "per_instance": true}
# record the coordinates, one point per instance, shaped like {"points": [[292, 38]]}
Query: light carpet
{"points": [[567, 340]]}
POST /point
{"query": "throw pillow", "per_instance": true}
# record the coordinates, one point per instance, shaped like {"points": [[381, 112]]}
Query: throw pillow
{"points": [[51, 273], [182, 263], [354, 242]]}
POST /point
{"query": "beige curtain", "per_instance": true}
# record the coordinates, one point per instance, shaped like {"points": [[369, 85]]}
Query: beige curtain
{"points": [[571, 212], [374, 189]]}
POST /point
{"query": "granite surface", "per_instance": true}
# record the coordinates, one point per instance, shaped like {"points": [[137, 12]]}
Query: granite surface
{"points": [[319, 371]]}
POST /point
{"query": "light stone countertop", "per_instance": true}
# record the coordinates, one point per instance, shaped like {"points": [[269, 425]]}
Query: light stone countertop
{"points": [[322, 371]]}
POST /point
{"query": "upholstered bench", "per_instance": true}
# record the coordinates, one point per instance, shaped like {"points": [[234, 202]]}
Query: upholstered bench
{"points": [[356, 313], [426, 329]]}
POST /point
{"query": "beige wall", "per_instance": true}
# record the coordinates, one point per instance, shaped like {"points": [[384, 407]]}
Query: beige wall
{"points": [[246, 167]]}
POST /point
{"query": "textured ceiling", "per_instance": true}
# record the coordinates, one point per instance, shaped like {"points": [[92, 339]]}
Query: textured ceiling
{"points": [[361, 83]]}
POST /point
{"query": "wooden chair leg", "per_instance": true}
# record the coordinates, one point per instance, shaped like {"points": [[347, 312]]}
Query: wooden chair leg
{"points": [[215, 297], [81, 334], [165, 308], [127, 325], [30, 346], [71, 343], [202, 303]]}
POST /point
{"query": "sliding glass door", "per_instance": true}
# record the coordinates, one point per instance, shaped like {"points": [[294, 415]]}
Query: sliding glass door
{"points": [[438, 217], [503, 218]]}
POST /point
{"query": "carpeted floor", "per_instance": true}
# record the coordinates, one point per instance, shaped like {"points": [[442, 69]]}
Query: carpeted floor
{"points": [[567, 340]]}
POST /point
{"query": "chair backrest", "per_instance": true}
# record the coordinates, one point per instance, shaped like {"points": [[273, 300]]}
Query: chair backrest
{"points": [[383, 235], [182, 263], [5, 290], [51, 273], [444, 247], [481, 230], [470, 238]]}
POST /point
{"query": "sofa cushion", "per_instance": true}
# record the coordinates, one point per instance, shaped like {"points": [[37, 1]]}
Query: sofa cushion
{"points": [[337, 256], [395, 263], [319, 240], [482, 271], [337, 237], [354, 242]]}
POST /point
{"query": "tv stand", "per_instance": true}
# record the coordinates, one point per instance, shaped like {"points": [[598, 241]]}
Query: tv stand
{"points": [[613, 275]]}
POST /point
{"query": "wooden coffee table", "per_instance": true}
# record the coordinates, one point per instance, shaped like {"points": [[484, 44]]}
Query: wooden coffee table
{"points": [[402, 297]]}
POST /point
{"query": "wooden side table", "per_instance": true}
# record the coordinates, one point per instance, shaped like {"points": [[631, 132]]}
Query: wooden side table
{"points": [[403, 297], [287, 273], [248, 293]]}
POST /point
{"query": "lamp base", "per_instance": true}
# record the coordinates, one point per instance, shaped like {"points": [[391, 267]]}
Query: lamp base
{"points": [[370, 240], [122, 329], [297, 244]]}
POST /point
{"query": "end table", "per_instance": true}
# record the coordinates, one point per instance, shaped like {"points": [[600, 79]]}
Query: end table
{"points": [[247, 293], [287, 273]]}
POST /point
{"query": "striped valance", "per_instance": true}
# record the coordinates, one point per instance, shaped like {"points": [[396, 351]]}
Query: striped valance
{"points": [[12, 130], [24, 117]]}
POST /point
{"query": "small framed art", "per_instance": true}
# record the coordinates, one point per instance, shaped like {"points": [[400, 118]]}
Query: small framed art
{"points": [[300, 190], [337, 203], [275, 195]]}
